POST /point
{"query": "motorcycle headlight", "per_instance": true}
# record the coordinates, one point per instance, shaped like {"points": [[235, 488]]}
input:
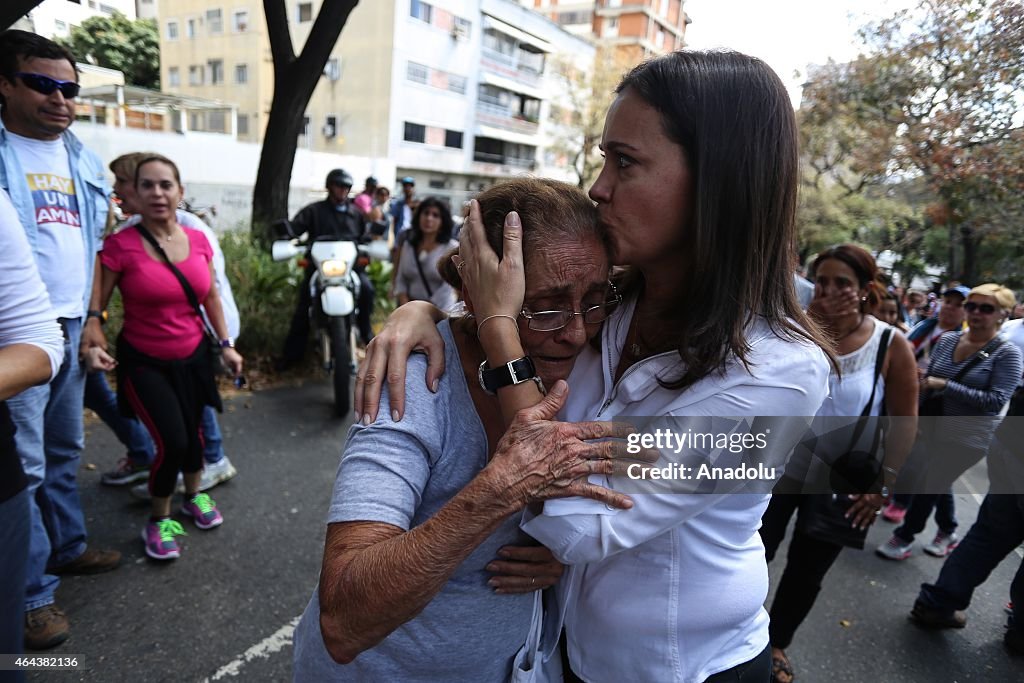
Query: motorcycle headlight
{"points": [[333, 268]]}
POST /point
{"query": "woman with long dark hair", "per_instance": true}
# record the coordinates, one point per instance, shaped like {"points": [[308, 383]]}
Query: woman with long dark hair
{"points": [[429, 238], [698, 194]]}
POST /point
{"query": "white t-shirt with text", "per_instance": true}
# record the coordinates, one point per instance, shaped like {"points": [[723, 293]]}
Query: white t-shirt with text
{"points": [[60, 246]]}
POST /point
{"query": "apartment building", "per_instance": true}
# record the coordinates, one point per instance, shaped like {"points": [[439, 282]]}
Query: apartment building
{"points": [[452, 92], [637, 29], [54, 18]]}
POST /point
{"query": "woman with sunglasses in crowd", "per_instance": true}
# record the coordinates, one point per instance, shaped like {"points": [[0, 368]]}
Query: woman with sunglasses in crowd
{"points": [[971, 376], [164, 369]]}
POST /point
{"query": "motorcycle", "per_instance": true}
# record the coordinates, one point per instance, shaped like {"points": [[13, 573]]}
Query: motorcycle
{"points": [[334, 293]]}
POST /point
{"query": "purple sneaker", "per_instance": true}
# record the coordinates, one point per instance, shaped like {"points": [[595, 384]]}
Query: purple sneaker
{"points": [[203, 511], [159, 538]]}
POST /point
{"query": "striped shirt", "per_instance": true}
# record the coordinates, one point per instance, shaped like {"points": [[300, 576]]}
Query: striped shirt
{"points": [[983, 391]]}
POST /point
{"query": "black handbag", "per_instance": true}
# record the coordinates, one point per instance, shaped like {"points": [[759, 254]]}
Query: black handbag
{"points": [[932, 405], [215, 352], [823, 515]]}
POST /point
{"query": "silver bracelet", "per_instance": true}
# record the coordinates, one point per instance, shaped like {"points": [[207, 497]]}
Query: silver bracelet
{"points": [[491, 317], [891, 471]]}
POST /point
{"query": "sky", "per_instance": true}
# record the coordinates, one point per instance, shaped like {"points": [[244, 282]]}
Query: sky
{"points": [[787, 34]]}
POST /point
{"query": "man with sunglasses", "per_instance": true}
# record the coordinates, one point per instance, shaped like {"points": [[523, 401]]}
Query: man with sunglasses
{"points": [[59, 191]]}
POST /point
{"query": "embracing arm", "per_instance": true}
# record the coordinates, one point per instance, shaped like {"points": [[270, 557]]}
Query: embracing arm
{"points": [[375, 577]]}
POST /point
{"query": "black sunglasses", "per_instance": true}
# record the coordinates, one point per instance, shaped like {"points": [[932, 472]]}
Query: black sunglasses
{"points": [[987, 309], [46, 85]]}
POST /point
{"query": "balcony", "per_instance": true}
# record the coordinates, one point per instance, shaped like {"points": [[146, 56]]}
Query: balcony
{"points": [[501, 116], [502, 160], [510, 67]]}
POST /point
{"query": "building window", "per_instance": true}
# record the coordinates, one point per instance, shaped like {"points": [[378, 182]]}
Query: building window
{"points": [[214, 22], [331, 126], [240, 21], [243, 125], [461, 28], [172, 30], [173, 77], [191, 26], [611, 27], [216, 67], [195, 75], [659, 39], [217, 122], [305, 12], [420, 10], [60, 27], [107, 9], [415, 132], [241, 74], [457, 84], [453, 138], [417, 73], [305, 126]]}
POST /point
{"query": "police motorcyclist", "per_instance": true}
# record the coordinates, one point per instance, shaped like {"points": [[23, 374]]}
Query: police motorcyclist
{"points": [[333, 218]]}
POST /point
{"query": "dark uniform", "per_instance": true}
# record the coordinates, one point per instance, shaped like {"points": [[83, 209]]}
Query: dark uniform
{"points": [[325, 220]]}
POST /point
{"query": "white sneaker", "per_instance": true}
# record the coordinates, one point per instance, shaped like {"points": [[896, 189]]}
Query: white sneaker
{"points": [[942, 544], [213, 474], [894, 549]]}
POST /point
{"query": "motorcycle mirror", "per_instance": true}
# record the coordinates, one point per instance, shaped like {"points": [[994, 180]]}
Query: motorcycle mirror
{"points": [[282, 250], [377, 250]]}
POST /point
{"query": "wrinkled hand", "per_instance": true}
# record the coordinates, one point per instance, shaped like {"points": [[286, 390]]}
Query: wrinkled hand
{"points": [[496, 286], [524, 569], [97, 359], [233, 360], [836, 304], [412, 327], [538, 459], [865, 509]]}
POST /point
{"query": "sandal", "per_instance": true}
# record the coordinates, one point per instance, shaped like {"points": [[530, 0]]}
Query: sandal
{"points": [[781, 665]]}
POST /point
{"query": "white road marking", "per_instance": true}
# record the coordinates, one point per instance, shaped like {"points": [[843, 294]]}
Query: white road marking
{"points": [[275, 642]]}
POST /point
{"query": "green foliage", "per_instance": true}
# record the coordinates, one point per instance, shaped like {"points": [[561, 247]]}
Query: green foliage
{"points": [[933, 102], [379, 273], [264, 291], [115, 42]]}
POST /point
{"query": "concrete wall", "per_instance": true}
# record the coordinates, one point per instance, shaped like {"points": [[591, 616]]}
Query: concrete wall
{"points": [[218, 170]]}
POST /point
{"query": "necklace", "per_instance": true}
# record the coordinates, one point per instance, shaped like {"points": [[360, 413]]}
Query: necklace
{"points": [[855, 328]]}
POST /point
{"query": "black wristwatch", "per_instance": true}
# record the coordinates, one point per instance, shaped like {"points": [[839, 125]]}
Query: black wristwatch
{"points": [[101, 315], [511, 373]]}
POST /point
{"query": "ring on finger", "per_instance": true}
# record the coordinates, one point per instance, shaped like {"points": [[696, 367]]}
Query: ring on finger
{"points": [[533, 580]]}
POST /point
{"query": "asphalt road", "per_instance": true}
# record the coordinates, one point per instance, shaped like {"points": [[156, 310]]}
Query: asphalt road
{"points": [[225, 610]]}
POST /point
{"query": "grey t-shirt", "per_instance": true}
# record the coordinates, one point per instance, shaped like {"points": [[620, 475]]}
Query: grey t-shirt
{"points": [[403, 473]]}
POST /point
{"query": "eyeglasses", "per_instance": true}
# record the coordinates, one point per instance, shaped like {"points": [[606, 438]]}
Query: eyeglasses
{"points": [[549, 321], [987, 309], [46, 85]]}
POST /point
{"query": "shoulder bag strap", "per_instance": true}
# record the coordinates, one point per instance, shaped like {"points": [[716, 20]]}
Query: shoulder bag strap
{"points": [[883, 345], [419, 267], [190, 293], [978, 356]]}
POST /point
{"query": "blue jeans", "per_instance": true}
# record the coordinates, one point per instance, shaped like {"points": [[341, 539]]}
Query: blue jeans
{"points": [[213, 442], [14, 533], [998, 530], [49, 440], [101, 400]]}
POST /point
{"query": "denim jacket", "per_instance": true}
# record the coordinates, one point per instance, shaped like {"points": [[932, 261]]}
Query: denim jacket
{"points": [[91, 187]]}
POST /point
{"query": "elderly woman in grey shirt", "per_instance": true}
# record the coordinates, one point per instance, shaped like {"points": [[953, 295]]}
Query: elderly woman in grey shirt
{"points": [[425, 575], [428, 240]]}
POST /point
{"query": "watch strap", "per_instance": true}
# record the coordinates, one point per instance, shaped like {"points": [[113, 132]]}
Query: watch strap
{"points": [[508, 374]]}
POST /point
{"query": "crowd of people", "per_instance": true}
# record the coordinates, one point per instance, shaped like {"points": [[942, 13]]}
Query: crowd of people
{"points": [[483, 512]]}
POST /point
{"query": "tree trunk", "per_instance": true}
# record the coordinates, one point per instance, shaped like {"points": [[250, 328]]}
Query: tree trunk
{"points": [[12, 10], [295, 79], [970, 241]]}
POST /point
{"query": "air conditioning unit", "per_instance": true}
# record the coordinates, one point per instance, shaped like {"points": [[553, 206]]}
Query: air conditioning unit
{"points": [[459, 32], [332, 70]]}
